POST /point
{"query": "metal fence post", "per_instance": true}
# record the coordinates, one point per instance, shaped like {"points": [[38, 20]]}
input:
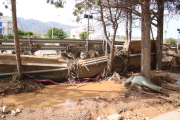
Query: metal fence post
{"points": [[29, 43], [87, 46], [178, 42], [106, 47]]}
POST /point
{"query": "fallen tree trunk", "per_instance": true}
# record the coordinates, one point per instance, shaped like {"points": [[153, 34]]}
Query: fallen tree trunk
{"points": [[171, 86]]}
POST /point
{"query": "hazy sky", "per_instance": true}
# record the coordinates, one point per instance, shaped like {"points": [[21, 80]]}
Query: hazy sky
{"points": [[40, 10]]}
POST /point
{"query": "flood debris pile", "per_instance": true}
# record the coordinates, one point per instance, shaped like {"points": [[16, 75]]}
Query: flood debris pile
{"points": [[26, 51], [115, 77], [120, 54], [80, 54], [73, 70], [9, 86], [163, 87], [94, 51], [140, 81]]}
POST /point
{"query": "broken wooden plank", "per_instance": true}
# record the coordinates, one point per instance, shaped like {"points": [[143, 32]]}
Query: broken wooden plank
{"points": [[171, 86]]}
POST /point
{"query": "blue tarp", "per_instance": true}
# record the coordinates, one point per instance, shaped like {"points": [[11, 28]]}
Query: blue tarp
{"points": [[0, 24], [0, 30]]}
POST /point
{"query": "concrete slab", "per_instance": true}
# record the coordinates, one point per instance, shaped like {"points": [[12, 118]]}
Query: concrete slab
{"points": [[173, 115]]}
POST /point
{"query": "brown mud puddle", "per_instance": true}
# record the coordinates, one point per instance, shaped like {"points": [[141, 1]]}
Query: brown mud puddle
{"points": [[52, 95]]}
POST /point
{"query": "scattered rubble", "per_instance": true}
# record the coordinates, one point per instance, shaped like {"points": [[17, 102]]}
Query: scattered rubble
{"points": [[18, 110], [115, 117], [13, 113], [5, 109], [3, 116]]}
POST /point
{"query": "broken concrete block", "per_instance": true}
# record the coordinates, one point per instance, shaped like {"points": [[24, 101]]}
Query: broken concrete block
{"points": [[18, 110], [13, 113], [115, 117], [5, 109], [3, 116]]}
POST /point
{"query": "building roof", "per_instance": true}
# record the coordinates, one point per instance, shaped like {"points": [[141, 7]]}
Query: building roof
{"points": [[9, 19]]}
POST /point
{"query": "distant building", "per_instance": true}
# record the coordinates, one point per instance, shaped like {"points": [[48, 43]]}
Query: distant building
{"points": [[94, 32], [6, 25]]}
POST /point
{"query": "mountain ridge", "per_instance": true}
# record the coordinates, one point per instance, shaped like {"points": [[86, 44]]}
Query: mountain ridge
{"points": [[32, 25]]}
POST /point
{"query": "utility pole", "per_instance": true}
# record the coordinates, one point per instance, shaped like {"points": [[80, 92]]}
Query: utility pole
{"points": [[42, 32], [178, 40], [89, 17], [32, 28], [38, 30], [52, 29], [52, 26], [16, 39]]}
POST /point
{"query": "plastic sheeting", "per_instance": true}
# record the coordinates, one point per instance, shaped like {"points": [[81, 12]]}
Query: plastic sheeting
{"points": [[142, 81]]}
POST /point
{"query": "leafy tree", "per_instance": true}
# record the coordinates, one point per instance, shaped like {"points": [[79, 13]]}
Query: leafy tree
{"points": [[106, 15], [45, 35], [57, 3], [83, 34], [57, 33], [21, 32], [171, 41]]}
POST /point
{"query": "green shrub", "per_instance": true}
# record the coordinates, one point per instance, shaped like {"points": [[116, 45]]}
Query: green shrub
{"points": [[171, 41], [28, 33], [5, 38], [1, 35], [57, 33], [82, 35], [55, 37], [37, 36], [21, 32], [20, 36], [10, 36]]}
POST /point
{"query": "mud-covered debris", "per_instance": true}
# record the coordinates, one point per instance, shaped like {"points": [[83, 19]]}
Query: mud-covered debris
{"points": [[83, 55], [115, 76], [91, 53], [97, 53]]}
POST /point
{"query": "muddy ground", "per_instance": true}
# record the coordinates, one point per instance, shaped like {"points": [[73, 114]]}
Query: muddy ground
{"points": [[87, 101]]}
